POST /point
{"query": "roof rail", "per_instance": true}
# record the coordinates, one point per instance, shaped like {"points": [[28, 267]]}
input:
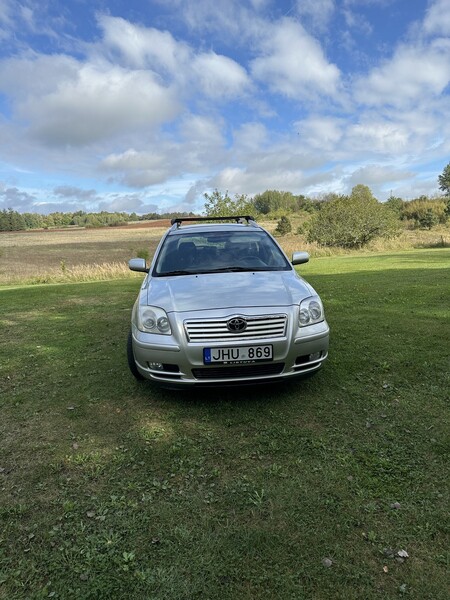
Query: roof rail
{"points": [[237, 218]]}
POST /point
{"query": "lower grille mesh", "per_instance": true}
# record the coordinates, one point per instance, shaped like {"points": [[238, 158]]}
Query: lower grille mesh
{"points": [[238, 371]]}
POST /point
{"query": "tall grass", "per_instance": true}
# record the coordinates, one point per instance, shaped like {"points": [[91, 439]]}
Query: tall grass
{"points": [[79, 273], [407, 240]]}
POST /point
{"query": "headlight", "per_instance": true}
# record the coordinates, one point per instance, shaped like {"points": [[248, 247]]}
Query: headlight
{"points": [[311, 311], [152, 319]]}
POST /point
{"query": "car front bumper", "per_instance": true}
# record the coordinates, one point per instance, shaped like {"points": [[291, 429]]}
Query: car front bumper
{"points": [[174, 362]]}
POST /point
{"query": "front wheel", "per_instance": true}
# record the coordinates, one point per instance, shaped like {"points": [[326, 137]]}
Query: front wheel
{"points": [[131, 361]]}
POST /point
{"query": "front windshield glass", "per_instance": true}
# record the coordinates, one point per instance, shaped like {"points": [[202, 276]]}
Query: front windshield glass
{"points": [[219, 252]]}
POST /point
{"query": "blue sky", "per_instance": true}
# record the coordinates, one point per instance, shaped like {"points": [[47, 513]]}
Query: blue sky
{"points": [[144, 105]]}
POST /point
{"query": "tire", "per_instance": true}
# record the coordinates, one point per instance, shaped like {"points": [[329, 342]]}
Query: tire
{"points": [[131, 361]]}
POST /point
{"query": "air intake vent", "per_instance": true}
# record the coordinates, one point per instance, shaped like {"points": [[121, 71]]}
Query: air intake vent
{"points": [[238, 372]]}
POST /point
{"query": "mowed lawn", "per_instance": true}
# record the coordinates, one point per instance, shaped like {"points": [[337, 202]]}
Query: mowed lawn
{"points": [[331, 488]]}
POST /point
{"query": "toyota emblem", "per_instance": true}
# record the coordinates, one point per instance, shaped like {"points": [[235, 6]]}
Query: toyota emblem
{"points": [[237, 325]]}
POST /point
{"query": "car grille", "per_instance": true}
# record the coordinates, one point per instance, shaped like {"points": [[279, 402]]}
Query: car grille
{"points": [[264, 326], [238, 372]]}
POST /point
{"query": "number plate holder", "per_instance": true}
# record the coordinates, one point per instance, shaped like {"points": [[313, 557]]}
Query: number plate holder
{"points": [[237, 355]]}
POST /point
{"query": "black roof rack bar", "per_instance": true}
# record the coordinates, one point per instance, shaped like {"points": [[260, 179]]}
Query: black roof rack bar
{"points": [[236, 218]]}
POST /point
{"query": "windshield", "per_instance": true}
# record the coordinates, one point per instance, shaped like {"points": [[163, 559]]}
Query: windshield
{"points": [[219, 252]]}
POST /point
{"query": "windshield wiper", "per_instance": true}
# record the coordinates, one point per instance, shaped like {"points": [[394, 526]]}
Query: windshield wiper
{"points": [[169, 273], [231, 270]]}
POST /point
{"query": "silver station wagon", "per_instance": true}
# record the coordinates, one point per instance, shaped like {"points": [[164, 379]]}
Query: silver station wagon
{"points": [[220, 305]]}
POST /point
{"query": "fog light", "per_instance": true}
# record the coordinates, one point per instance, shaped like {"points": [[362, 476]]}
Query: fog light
{"points": [[155, 366], [315, 356]]}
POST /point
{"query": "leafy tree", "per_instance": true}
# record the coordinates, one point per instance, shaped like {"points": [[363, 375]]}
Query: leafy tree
{"points": [[444, 180], [352, 221], [272, 201], [61, 219], [48, 221], [33, 220], [429, 219], [425, 212], [306, 204], [395, 204], [363, 193], [11, 220], [221, 205], [284, 226]]}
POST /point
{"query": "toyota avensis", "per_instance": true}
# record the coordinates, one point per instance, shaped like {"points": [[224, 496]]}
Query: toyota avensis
{"points": [[221, 304]]}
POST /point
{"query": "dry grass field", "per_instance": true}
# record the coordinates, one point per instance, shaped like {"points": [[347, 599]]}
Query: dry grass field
{"points": [[36, 256], [96, 254]]}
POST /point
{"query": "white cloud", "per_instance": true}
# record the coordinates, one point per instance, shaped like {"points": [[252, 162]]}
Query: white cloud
{"points": [[355, 20], [200, 146], [74, 103], [319, 12], [414, 73], [293, 64], [14, 197], [201, 131], [220, 76], [437, 19], [238, 180], [142, 47], [139, 47], [127, 203], [6, 9], [35, 75], [71, 191], [138, 169], [321, 133], [251, 137], [374, 135], [225, 19], [377, 175]]}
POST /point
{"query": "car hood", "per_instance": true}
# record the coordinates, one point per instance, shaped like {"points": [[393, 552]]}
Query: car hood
{"points": [[186, 293]]}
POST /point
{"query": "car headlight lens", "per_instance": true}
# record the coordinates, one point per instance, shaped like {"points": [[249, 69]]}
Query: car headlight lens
{"points": [[311, 311], [151, 319], [163, 325]]}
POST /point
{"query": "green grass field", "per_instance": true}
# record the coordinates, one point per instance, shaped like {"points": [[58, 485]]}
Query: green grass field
{"points": [[114, 489]]}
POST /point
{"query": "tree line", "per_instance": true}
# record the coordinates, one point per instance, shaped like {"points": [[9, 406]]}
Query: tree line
{"points": [[12, 220], [334, 219]]}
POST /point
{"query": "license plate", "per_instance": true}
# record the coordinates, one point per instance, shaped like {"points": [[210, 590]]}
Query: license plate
{"points": [[241, 354]]}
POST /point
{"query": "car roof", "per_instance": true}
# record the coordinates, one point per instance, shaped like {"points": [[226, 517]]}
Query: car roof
{"points": [[209, 227]]}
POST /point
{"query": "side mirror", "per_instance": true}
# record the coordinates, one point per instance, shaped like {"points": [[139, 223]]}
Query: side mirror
{"points": [[138, 264], [300, 258]]}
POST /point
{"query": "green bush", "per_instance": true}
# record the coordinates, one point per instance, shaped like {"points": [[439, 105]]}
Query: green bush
{"points": [[284, 226], [352, 221], [221, 205], [425, 212], [143, 253]]}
